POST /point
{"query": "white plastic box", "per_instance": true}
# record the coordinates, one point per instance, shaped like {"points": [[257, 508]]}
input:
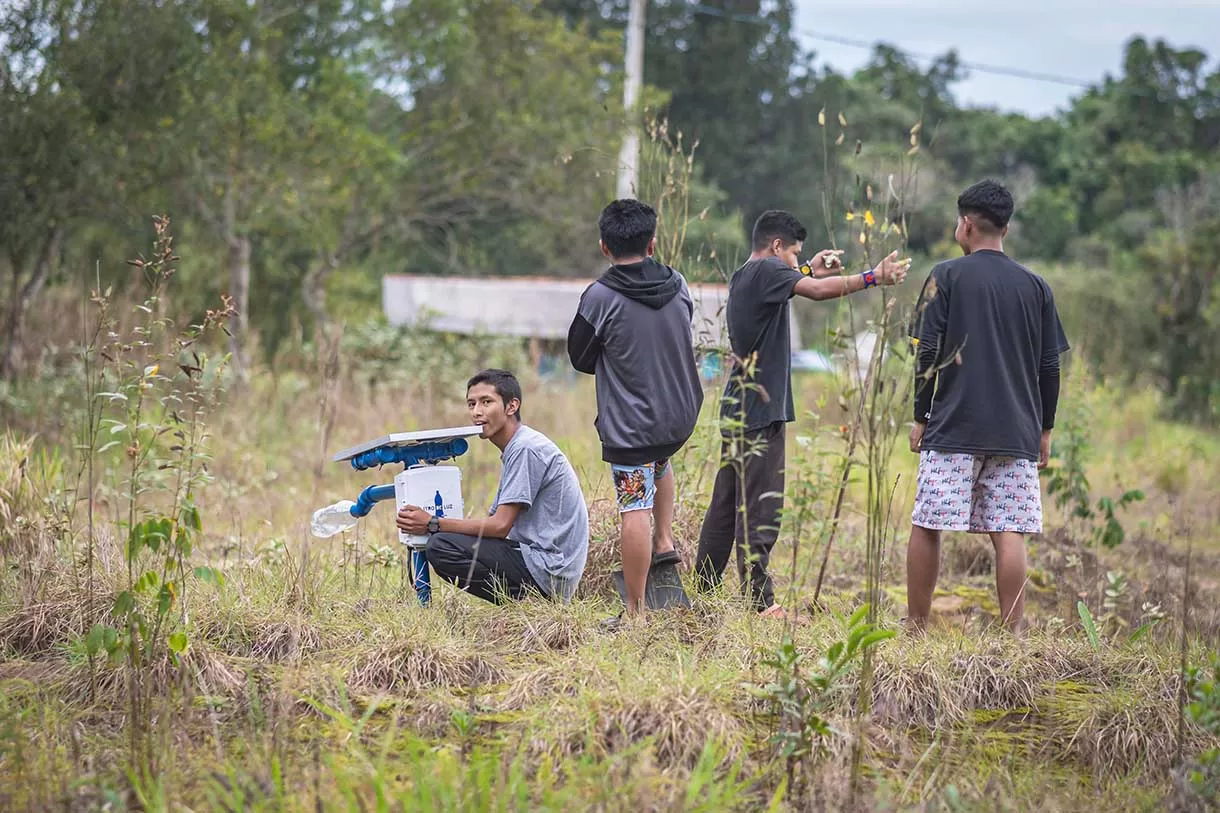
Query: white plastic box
{"points": [[431, 488]]}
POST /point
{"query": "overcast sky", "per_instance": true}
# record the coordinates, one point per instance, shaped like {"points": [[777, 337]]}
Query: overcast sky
{"points": [[1072, 38]]}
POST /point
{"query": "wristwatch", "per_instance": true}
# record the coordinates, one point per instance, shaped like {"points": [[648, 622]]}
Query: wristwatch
{"points": [[870, 278], [434, 525]]}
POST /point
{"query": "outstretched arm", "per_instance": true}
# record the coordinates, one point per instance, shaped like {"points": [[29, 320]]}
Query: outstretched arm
{"points": [[890, 271]]}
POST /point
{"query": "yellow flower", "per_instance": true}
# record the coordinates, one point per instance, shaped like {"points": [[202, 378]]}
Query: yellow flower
{"points": [[868, 217], [851, 216]]}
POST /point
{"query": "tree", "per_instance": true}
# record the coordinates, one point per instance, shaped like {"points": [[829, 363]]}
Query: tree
{"points": [[77, 103]]}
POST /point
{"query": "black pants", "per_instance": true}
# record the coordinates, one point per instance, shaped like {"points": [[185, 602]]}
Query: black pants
{"points": [[739, 512], [492, 569]]}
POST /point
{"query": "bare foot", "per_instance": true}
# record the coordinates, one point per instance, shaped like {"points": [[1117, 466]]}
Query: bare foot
{"points": [[777, 612]]}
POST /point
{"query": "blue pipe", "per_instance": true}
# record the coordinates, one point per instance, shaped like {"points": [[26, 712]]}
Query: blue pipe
{"points": [[433, 451], [369, 497], [421, 576]]}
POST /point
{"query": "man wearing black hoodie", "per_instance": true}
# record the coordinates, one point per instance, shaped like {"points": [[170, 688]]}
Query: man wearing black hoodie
{"points": [[633, 332]]}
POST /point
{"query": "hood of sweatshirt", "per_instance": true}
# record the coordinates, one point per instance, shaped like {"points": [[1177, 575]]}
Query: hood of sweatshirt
{"points": [[649, 282]]}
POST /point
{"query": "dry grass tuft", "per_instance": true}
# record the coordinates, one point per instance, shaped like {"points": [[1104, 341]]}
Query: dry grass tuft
{"points": [[560, 634], [37, 630], [1113, 731], [605, 553], [271, 641], [1113, 712], [532, 627], [679, 722], [533, 687], [934, 682], [198, 671], [410, 667]]}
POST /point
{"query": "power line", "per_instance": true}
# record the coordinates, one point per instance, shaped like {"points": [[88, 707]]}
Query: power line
{"points": [[980, 67]]}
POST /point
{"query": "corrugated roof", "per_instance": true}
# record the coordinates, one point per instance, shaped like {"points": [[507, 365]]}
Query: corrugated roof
{"points": [[530, 307]]}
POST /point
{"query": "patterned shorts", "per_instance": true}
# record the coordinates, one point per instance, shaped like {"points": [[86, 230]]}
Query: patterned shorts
{"points": [[635, 487], [962, 492]]}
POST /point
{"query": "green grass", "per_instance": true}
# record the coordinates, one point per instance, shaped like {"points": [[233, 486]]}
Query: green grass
{"points": [[314, 678]]}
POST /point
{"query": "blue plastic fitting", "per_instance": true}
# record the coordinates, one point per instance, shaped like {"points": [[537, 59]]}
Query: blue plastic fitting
{"points": [[433, 451], [369, 497], [421, 577]]}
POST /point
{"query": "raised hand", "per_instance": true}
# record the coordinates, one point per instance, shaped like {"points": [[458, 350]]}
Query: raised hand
{"points": [[891, 270], [825, 263]]}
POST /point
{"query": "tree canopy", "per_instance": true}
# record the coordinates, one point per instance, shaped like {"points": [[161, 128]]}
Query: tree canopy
{"points": [[305, 149]]}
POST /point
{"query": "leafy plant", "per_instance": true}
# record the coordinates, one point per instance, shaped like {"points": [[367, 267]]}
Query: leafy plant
{"points": [[1069, 485], [1090, 627], [159, 388], [799, 695], [1203, 709]]}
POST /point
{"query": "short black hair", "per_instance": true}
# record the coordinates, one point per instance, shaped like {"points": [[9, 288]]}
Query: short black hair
{"points": [[627, 226], [506, 384], [987, 200], [775, 223]]}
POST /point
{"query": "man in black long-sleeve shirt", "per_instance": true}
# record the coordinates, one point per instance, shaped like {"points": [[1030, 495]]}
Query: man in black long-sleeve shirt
{"points": [[988, 340]]}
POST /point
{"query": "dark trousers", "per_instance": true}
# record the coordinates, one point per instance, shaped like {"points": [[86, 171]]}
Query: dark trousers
{"points": [[745, 509], [492, 569]]}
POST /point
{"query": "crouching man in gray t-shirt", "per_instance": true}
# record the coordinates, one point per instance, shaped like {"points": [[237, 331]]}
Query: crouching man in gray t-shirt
{"points": [[537, 535]]}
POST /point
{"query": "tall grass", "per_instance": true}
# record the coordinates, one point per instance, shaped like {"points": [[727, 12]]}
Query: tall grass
{"points": [[281, 672]]}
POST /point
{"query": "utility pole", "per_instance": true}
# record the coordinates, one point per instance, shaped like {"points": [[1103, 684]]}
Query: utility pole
{"points": [[629, 156]]}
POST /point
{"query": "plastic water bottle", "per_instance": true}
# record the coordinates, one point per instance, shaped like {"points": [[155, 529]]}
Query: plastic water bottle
{"points": [[333, 519]]}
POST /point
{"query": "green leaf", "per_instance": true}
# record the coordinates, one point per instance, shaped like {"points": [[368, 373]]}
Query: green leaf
{"points": [[189, 517], [135, 541], [124, 603], [178, 642], [210, 575], [165, 599], [1142, 630], [877, 636], [858, 616], [96, 639], [853, 638], [1090, 628], [111, 640]]}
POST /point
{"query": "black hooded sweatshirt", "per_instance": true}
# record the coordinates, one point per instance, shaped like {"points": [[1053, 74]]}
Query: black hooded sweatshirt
{"points": [[633, 331]]}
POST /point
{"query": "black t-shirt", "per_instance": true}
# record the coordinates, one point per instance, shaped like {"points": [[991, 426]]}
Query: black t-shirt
{"points": [[757, 315], [994, 327]]}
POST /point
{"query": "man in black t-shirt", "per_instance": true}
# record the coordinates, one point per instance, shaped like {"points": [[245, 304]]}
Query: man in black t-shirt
{"points": [[748, 493], [988, 341]]}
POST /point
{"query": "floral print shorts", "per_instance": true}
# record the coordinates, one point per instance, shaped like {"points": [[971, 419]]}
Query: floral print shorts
{"points": [[635, 487], [964, 492]]}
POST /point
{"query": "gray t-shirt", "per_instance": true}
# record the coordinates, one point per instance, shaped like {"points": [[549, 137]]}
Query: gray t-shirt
{"points": [[553, 526], [757, 316]]}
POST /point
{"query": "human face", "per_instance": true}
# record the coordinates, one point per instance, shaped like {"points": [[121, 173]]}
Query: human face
{"points": [[962, 233], [488, 410], [789, 254]]}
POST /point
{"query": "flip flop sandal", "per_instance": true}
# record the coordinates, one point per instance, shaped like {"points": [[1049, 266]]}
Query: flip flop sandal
{"points": [[670, 557]]}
